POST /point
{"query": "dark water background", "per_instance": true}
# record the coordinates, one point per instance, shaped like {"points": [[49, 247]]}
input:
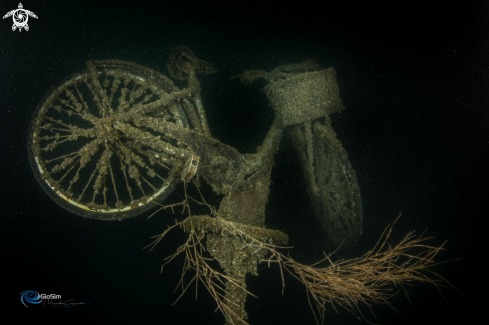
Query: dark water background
{"points": [[414, 81]]}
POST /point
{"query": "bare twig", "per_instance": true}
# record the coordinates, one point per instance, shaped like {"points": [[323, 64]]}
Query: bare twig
{"points": [[367, 280]]}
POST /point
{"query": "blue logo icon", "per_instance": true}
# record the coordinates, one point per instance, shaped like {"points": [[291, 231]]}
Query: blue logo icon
{"points": [[30, 297]]}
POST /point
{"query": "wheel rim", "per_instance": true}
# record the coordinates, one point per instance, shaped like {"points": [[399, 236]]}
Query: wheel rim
{"points": [[89, 151]]}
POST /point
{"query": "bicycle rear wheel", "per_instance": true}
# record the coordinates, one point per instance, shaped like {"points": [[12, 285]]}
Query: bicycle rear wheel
{"points": [[89, 150]]}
